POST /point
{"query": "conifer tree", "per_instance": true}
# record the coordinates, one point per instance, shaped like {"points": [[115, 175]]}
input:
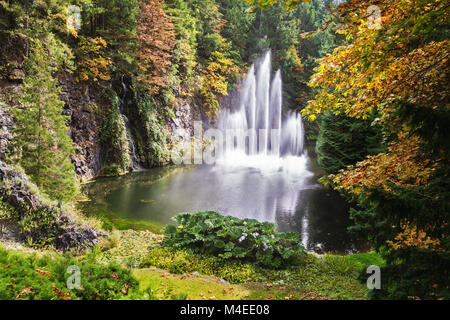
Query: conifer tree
{"points": [[343, 141], [42, 146]]}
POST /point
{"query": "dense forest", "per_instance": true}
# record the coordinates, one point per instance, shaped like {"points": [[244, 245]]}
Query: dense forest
{"points": [[100, 87]]}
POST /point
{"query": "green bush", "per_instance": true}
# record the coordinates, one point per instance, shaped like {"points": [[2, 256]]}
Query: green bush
{"points": [[28, 277], [186, 261], [37, 226], [232, 238]]}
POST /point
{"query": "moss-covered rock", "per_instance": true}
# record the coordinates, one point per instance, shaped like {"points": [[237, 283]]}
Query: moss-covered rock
{"points": [[39, 221]]}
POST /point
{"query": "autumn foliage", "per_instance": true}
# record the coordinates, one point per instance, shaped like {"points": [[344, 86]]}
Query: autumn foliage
{"points": [[381, 70], [92, 63], [399, 72], [156, 39]]}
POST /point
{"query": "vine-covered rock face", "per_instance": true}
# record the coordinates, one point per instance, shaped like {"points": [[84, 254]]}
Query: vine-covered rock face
{"points": [[38, 221]]}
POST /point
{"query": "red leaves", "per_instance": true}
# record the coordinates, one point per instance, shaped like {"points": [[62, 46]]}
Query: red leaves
{"points": [[126, 289], [24, 292], [402, 165], [42, 272], [61, 294]]}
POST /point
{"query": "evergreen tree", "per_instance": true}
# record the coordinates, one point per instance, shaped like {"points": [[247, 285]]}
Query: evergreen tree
{"points": [[42, 146], [238, 26], [185, 50], [343, 141]]}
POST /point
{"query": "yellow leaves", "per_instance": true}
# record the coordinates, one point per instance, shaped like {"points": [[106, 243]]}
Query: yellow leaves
{"points": [[91, 64], [215, 83], [411, 236], [378, 65]]}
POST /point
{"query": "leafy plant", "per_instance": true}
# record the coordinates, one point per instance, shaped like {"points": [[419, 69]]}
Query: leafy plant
{"points": [[232, 238]]}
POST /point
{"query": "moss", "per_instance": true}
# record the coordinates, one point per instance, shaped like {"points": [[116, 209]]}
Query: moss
{"points": [[363, 260], [199, 287], [326, 277], [153, 139], [185, 261], [132, 247]]}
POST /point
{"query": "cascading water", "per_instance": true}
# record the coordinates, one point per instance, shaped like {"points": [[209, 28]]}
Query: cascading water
{"points": [[132, 149], [257, 133]]}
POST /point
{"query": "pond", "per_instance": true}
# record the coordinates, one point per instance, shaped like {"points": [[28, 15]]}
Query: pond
{"points": [[293, 200]]}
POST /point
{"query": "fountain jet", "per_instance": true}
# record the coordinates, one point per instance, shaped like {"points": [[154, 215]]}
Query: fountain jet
{"points": [[258, 134]]}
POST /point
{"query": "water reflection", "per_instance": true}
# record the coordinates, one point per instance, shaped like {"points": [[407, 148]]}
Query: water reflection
{"points": [[293, 203]]}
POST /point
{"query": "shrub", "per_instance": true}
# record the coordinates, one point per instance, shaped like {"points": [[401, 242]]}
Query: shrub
{"points": [[232, 238], [186, 261], [45, 278]]}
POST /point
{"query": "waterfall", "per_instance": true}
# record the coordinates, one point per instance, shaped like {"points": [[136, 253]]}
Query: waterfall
{"points": [[257, 132], [131, 148]]}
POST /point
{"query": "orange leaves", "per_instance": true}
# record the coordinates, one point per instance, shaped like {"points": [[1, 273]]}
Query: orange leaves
{"points": [[42, 272], [402, 165], [92, 64], [60, 294], [379, 65], [412, 237], [156, 38]]}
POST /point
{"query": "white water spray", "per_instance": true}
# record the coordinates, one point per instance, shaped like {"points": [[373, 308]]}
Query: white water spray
{"points": [[258, 135]]}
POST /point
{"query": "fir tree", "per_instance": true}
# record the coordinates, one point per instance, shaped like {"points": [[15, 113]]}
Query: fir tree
{"points": [[343, 141], [42, 146]]}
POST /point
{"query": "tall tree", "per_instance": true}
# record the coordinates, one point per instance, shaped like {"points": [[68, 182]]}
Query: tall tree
{"points": [[398, 64], [156, 39], [41, 141], [343, 141]]}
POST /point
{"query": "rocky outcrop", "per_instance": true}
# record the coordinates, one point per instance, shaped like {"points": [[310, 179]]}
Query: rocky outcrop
{"points": [[6, 127], [84, 105], [7, 91], [60, 227], [184, 118]]}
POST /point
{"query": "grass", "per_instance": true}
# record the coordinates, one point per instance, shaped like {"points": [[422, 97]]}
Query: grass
{"points": [[163, 273], [314, 277], [138, 225], [194, 286], [111, 221]]}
